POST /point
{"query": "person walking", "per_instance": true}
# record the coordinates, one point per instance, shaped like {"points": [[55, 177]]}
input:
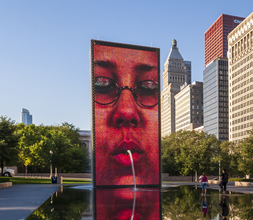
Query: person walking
{"points": [[224, 181], [204, 183]]}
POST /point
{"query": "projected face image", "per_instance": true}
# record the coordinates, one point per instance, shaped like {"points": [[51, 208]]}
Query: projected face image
{"points": [[126, 115]]}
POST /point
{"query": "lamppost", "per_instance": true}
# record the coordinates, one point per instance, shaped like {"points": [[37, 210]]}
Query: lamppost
{"points": [[51, 172]]}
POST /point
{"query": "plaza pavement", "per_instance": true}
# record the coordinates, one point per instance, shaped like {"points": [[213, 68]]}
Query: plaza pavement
{"points": [[230, 187], [19, 201]]}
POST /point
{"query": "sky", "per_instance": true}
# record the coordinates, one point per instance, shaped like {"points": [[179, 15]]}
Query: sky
{"points": [[45, 45]]}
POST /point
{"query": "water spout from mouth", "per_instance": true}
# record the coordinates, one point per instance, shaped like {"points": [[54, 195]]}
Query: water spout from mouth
{"points": [[132, 162]]}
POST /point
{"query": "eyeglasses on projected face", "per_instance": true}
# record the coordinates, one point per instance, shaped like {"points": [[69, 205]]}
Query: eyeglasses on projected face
{"points": [[107, 92]]}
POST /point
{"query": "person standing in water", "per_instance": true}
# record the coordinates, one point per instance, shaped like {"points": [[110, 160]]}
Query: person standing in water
{"points": [[204, 183], [224, 181]]}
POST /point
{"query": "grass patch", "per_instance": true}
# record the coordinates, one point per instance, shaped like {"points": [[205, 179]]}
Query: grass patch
{"points": [[240, 179], [4, 179], [20, 180], [68, 181]]}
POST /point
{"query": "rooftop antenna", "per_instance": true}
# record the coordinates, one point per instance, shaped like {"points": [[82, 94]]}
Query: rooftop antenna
{"points": [[151, 44], [98, 37]]}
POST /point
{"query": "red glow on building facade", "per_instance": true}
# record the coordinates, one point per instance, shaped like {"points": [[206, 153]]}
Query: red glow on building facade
{"points": [[216, 43]]}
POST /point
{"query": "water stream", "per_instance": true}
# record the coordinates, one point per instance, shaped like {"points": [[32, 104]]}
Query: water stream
{"points": [[132, 162]]}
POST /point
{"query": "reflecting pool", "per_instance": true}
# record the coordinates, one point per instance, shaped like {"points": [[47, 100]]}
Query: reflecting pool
{"points": [[181, 202]]}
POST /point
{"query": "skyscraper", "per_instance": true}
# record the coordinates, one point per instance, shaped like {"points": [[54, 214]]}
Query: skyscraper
{"points": [[25, 117], [216, 44], [176, 73], [215, 89], [189, 107], [215, 76], [241, 80]]}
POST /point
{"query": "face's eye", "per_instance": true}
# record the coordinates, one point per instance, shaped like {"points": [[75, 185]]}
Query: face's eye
{"points": [[147, 87], [104, 85]]}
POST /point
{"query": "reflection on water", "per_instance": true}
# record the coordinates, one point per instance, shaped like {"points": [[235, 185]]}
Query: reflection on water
{"points": [[185, 202], [65, 204], [123, 204]]}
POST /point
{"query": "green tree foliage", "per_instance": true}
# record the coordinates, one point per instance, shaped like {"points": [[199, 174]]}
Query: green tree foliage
{"points": [[245, 160], [169, 150], [8, 142], [229, 155], [185, 152], [57, 145]]}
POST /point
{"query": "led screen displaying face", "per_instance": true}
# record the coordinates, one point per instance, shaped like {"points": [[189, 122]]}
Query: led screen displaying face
{"points": [[126, 94]]}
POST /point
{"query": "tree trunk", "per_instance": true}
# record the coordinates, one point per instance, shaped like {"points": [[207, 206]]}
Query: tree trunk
{"points": [[219, 172], [2, 166], [51, 171]]}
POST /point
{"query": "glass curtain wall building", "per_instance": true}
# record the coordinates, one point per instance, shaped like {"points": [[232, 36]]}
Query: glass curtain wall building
{"points": [[25, 117], [215, 88]]}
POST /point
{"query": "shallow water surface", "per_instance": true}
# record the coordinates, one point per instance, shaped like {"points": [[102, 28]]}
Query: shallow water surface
{"points": [[182, 202]]}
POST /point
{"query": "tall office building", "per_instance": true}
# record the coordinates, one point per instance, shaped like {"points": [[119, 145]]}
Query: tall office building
{"points": [[240, 58], [215, 76], [176, 73], [25, 117], [216, 44], [189, 107], [215, 89]]}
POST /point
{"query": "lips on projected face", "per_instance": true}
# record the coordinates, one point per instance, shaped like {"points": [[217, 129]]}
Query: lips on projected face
{"points": [[121, 155]]}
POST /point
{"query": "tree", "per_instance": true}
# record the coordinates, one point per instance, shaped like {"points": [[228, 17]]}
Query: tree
{"points": [[79, 159], [197, 152], [29, 136], [186, 152], [245, 161], [8, 142], [228, 156], [67, 151], [169, 149]]}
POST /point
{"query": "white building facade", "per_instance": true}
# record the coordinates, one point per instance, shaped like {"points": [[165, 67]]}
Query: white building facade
{"points": [[189, 107], [240, 59], [176, 73]]}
